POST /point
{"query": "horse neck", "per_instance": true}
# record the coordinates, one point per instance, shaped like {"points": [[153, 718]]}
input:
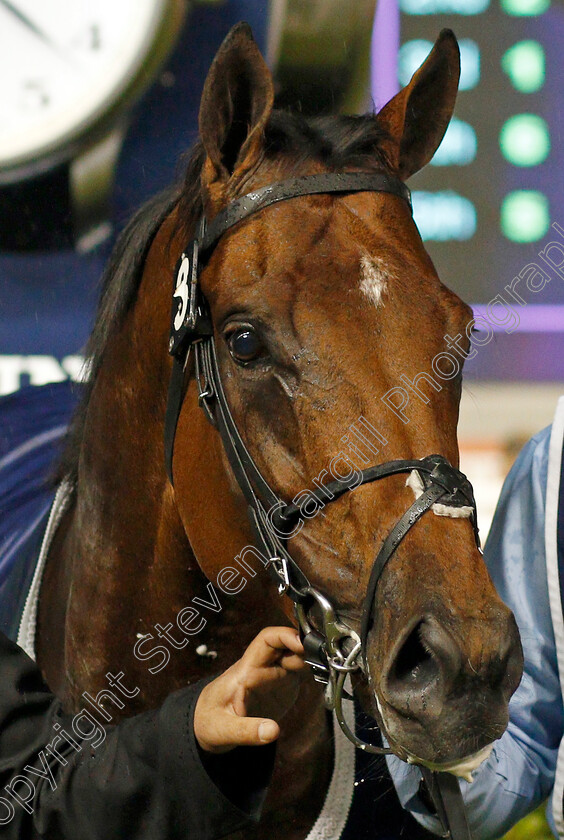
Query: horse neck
{"points": [[122, 562], [121, 557]]}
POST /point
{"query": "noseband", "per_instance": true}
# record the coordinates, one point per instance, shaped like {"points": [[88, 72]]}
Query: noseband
{"points": [[333, 649]]}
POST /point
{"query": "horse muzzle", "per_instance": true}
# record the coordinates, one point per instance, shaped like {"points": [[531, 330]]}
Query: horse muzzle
{"points": [[434, 702]]}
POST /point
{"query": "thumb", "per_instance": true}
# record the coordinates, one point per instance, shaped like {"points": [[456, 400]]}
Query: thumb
{"points": [[267, 731], [247, 731]]}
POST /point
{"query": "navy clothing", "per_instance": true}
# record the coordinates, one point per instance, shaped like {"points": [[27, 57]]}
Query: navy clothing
{"points": [[33, 423], [146, 780]]}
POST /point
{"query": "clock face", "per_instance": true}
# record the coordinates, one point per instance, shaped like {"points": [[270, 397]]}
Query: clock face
{"points": [[64, 64]]}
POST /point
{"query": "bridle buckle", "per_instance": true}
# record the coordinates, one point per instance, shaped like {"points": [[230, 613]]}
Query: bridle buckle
{"points": [[280, 566], [204, 394]]}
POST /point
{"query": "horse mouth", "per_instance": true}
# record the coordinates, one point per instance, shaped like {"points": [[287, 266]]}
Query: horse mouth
{"points": [[463, 767], [455, 742]]}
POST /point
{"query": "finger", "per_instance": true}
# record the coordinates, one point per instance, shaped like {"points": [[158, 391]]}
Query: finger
{"points": [[266, 648], [234, 731], [293, 663], [288, 667]]}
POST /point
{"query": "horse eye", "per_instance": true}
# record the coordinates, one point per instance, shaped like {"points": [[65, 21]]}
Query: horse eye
{"points": [[244, 345]]}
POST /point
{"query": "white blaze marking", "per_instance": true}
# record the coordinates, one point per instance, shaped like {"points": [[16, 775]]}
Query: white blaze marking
{"points": [[372, 280]]}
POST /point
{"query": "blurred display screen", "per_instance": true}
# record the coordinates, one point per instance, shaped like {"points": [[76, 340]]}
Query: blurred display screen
{"points": [[492, 199], [486, 203]]}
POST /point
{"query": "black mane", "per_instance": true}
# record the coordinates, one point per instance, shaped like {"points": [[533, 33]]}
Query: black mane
{"points": [[336, 141]]}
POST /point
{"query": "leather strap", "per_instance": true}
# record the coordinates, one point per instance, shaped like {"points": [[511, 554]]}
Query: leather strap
{"points": [[326, 183], [259, 495], [248, 475], [444, 789], [454, 482], [420, 506]]}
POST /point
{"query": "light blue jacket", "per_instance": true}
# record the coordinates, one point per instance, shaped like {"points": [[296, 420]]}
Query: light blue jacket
{"points": [[522, 554]]}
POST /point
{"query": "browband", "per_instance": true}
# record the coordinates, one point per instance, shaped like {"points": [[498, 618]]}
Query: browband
{"points": [[326, 182]]}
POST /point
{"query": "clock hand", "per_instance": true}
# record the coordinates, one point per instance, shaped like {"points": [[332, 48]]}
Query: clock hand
{"points": [[23, 18]]}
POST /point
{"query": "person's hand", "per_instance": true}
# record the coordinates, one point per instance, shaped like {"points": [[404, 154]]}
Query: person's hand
{"points": [[264, 683]]}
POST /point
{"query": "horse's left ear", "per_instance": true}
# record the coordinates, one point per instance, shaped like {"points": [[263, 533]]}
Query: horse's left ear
{"points": [[417, 118], [236, 103]]}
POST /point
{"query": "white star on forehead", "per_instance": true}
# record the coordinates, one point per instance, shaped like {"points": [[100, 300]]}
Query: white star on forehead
{"points": [[372, 280]]}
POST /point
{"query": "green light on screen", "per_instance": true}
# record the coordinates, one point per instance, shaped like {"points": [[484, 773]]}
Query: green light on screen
{"points": [[444, 7], [525, 140], [522, 8], [524, 63], [525, 216]]}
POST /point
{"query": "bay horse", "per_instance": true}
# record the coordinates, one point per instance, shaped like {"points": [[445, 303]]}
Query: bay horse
{"points": [[319, 305]]}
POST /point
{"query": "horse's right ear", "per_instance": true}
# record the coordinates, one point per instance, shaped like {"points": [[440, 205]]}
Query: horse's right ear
{"points": [[417, 118], [236, 103]]}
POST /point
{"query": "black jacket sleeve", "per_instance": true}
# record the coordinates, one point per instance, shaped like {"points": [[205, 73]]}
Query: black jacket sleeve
{"points": [[144, 778]]}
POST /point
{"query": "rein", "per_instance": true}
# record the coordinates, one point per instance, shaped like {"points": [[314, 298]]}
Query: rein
{"points": [[333, 649]]}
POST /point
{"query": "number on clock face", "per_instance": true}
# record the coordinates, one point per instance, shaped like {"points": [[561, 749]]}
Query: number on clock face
{"points": [[95, 37], [34, 95]]}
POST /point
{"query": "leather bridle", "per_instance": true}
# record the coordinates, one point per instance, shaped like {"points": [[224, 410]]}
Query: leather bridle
{"points": [[333, 649]]}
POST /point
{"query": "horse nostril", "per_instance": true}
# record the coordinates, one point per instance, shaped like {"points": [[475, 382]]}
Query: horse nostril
{"points": [[414, 662], [422, 670]]}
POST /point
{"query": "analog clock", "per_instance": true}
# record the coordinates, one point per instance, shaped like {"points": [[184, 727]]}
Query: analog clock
{"points": [[67, 67], [70, 70]]}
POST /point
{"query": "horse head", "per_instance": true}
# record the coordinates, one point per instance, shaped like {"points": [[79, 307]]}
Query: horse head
{"points": [[339, 348]]}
